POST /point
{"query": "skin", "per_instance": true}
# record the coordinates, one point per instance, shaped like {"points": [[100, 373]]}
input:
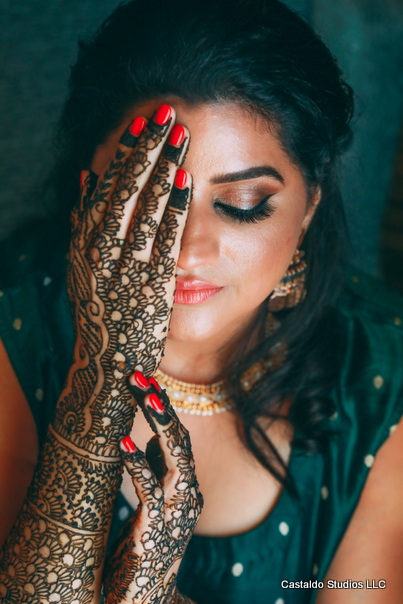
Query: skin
{"points": [[226, 139], [247, 259], [120, 282], [211, 250]]}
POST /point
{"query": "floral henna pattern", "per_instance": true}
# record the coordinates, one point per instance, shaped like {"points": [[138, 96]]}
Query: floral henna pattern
{"points": [[121, 310], [124, 308], [143, 567], [46, 562]]}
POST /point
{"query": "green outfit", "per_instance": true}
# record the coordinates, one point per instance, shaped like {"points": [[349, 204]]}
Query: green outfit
{"points": [[297, 541]]}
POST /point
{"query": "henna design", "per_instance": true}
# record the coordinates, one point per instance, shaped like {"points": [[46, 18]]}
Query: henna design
{"points": [[121, 306], [143, 567], [179, 198]]}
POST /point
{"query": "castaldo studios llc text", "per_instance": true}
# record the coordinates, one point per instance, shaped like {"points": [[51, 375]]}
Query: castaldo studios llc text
{"points": [[331, 584]]}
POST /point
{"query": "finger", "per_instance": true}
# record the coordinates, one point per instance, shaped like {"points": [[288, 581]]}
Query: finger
{"points": [[136, 172], [174, 438], [153, 200], [182, 496], [100, 199], [168, 240], [148, 489], [155, 457]]}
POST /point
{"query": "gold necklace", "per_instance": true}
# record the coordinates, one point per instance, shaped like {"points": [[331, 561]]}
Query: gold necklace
{"points": [[206, 399]]}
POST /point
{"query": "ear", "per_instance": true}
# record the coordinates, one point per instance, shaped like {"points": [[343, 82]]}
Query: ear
{"points": [[313, 201]]}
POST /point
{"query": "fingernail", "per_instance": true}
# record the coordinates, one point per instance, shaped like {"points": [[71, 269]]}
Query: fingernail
{"points": [[181, 178], [127, 445], [139, 380], [163, 114], [138, 125], [154, 382], [153, 401], [177, 135]]}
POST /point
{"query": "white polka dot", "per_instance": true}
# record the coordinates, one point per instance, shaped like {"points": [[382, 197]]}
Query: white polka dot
{"points": [[325, 492], [392, 429], [397, 320], [378, 381], [283, 528], [123, 513], [1, 294], [46, 281], [39, 394], [369, 460], [17, 324], [279, 601], [22, 257], [237, 569], [315, 569], [355, 279], [334, 416]]}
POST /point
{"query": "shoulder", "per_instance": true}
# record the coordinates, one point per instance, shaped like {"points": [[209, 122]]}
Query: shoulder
{"points": [[379, 514], [370, 386], [369, 307], [362, 469], [35, 320]]}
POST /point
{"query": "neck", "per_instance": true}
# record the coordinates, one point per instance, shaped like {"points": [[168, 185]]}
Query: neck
{"points": [[206, 361]]}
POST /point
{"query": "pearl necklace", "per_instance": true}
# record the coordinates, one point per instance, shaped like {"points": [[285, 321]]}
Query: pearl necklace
{"points": [[206, 399]]}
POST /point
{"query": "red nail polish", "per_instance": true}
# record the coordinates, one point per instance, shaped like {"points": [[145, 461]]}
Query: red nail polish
{"points": [[181, 178], [138, 379], [82, 178], [137, 126], [163, 114], [177, 135], [154, 402], [154, 382], [128, 444]]}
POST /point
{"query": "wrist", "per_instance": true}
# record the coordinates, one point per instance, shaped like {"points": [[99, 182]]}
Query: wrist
{"points": [[94, 420]]}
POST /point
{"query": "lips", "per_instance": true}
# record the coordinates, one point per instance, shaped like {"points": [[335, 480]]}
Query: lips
{"points": [[194, 291]]}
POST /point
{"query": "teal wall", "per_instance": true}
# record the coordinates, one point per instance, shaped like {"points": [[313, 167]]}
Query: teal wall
{"points": [[38, 44]]}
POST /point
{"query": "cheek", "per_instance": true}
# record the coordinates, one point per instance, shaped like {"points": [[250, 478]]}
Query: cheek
{"points": [[261, 254]]}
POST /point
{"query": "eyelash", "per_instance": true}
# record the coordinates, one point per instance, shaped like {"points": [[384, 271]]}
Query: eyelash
{"points": [[263, 210]]}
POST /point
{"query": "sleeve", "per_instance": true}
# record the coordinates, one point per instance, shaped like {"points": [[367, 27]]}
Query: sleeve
{"points": [[369, 403], [36, 330]]}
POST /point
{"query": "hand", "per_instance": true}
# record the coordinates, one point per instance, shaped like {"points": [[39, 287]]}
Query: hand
{"points": [[121, 279], [144, 565]]}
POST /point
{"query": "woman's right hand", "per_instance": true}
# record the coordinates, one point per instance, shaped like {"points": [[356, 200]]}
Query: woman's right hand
{"points": [[121, 281], [121, 277]]}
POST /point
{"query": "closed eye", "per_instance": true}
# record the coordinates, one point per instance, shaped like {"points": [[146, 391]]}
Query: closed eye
{"points": [[263, 210]]}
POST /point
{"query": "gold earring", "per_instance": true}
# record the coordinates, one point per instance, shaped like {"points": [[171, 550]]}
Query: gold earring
{"points": [[291, 289]]}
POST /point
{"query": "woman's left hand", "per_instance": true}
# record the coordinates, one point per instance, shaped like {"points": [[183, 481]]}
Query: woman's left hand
{"points": [[144, 565]]}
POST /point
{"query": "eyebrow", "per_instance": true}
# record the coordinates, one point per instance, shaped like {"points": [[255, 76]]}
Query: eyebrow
{"points": [[248, 174]]}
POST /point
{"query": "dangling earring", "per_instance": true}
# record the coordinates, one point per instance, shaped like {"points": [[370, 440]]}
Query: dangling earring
{"points": [[291, 289]]}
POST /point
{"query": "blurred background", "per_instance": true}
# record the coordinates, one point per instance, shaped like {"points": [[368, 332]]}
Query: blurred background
{"points": [[39, 43]]}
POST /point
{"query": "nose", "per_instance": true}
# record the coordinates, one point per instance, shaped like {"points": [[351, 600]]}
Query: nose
{"points": [[200, 241]]}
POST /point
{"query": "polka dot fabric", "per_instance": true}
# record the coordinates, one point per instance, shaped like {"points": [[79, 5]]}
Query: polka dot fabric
{"points": [[299, 538]]}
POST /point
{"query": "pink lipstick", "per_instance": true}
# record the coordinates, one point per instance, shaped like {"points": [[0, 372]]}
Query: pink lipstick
{"points": [[194, 291]]}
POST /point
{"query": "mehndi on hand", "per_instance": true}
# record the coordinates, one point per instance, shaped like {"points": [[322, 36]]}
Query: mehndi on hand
{"points": [[121, 280], [144, 564]]}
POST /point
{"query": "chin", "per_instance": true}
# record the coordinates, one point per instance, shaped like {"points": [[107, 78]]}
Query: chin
{"points": [[192, 325]]}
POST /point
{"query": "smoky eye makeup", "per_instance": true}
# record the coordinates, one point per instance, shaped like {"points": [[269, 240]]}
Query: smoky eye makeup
{"points": [[229, 206]]}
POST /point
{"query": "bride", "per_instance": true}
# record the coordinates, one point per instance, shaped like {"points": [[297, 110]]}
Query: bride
{"points": [[222, 349]]}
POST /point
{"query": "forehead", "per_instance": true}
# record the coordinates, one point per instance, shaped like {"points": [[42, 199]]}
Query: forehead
{"points": [[225, 137]]}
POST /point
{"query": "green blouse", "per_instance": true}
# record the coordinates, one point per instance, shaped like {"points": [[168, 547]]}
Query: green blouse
{"points": [[298, 540]]}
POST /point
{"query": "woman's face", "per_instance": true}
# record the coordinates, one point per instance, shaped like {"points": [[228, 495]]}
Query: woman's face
{"points": [[236, 164]]}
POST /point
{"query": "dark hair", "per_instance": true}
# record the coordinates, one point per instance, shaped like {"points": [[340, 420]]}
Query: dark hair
{"points": [[260, 54]]}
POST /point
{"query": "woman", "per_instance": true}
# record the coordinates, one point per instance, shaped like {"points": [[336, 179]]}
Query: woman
{"points": [[241, 232]]}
